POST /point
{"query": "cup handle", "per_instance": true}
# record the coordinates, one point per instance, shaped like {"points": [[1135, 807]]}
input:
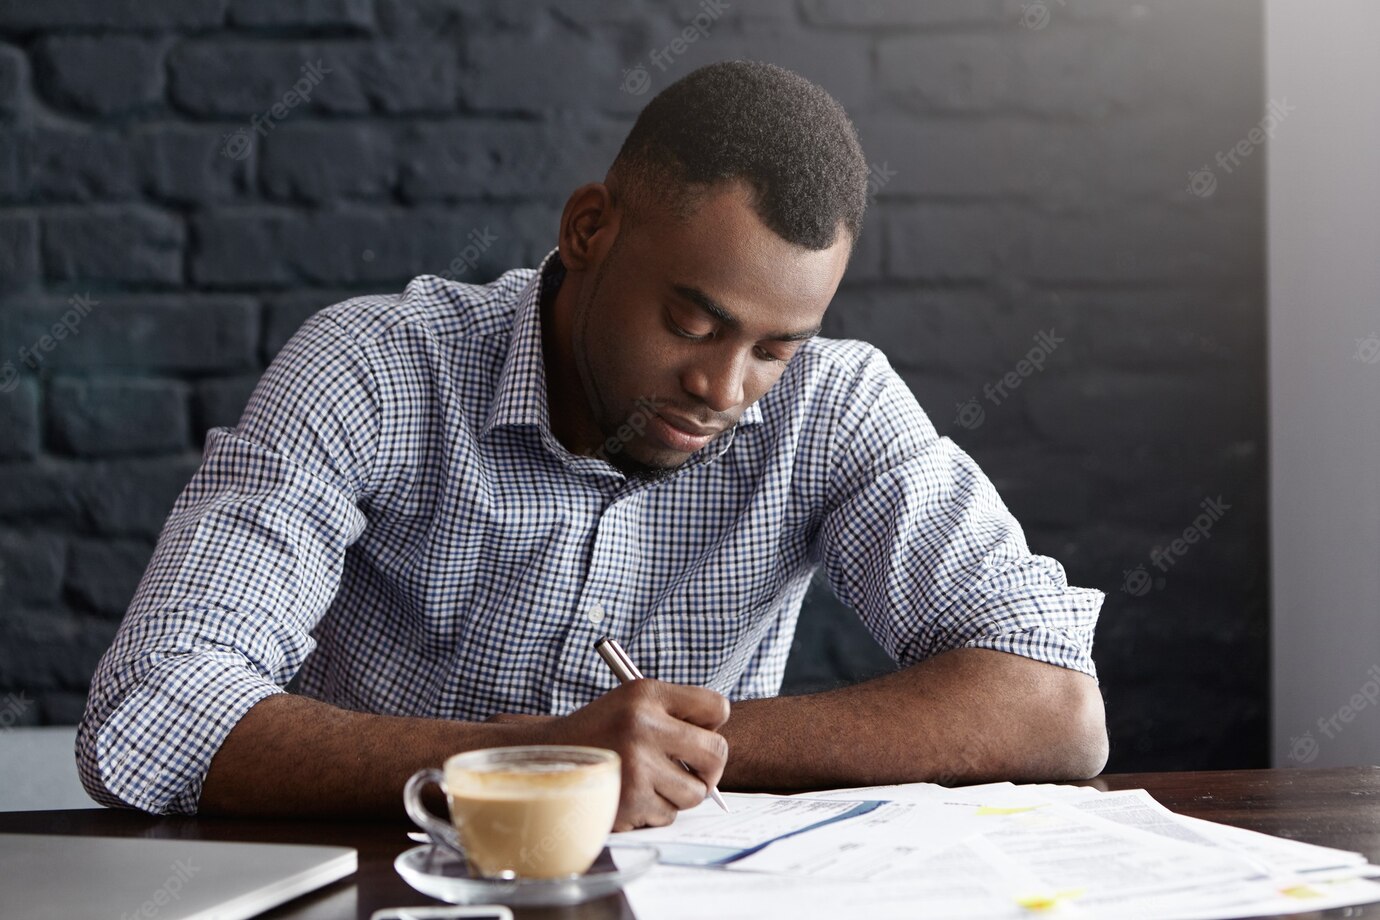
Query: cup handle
{"points": [[441, 832]]}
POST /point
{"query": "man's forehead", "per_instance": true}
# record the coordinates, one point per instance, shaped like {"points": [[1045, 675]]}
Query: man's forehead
{"points": [[727, 252]]}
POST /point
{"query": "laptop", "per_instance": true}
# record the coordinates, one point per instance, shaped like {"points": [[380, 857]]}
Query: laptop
{"points": [[122, 878]]}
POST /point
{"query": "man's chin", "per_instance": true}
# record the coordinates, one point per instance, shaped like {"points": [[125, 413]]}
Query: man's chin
{"points": [[646, 463]]}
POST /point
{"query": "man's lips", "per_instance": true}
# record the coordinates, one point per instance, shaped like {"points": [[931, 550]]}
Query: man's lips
{"points": [[691, 428], [679, 434]]}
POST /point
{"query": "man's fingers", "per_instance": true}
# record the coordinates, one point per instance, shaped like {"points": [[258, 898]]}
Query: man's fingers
{"points": [[680, 787], [704, 752], [654, 726], [659, 814], [655, 788], [685, 728], [696, 705]]}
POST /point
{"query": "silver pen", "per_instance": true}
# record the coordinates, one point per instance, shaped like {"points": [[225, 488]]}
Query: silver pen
{"points": [[624, 669]]}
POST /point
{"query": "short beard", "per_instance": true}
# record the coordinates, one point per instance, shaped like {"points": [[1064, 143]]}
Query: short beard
{"points": [[638, 471]]}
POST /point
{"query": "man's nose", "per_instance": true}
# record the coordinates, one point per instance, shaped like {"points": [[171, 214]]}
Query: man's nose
{"points": [[718, 379]]}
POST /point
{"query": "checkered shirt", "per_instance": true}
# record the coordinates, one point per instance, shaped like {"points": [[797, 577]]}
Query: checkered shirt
{"points": [[393, 522]]}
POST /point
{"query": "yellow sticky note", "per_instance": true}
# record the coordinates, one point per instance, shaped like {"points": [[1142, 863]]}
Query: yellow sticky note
{"points": [[1301, 891], [1042, 902], [994, 810]]}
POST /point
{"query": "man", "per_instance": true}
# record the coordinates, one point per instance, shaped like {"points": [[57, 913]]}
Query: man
{"points": [[436, 502]]}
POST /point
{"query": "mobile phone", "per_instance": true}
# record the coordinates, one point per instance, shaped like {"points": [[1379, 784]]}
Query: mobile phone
{"points": [[445, 912]]}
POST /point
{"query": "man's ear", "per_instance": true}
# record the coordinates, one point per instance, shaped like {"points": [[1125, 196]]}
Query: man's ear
{"points": [[589, 225]]}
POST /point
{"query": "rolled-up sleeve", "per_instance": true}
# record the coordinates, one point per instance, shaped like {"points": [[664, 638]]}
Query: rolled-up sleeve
{"points": [[246, 565], [917, 540]]}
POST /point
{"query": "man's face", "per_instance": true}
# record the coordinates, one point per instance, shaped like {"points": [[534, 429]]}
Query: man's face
{"points": [[685, 325]]}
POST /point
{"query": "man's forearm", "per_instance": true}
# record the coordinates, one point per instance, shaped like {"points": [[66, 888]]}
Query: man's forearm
{"points": [[968, 715], [291, 755], [964, 716]]}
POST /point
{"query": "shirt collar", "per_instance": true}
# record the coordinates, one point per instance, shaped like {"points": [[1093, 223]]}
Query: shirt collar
{"points": [[521, 395], [520, 398]]}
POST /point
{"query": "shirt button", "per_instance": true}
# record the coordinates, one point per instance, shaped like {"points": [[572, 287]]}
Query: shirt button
{"points": [[596, 613]]}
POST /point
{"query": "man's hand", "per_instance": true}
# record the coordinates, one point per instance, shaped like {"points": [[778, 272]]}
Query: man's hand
{"points": [[653, 726], [360, 760]]}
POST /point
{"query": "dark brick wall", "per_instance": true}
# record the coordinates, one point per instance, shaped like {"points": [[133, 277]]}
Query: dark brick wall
{"points": [[183, 181]]}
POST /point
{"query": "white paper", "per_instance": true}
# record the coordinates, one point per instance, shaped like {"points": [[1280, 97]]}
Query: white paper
{"points": [[1073, 852], [706, 834], [895, 838], [674, 893], [992, 852]]}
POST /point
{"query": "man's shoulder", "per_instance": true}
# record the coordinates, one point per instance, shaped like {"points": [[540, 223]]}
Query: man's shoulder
{"points": [[844, 356], [436, 307], [825, 367], [828, 379]]}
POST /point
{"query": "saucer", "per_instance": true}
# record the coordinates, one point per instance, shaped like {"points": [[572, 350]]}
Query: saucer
{"points": [[436, 871]]}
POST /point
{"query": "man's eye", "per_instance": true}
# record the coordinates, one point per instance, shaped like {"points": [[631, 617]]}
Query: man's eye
{"points": [[768, 356], [685, 333]]}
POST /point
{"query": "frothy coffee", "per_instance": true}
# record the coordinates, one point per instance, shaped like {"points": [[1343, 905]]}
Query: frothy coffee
{"points": [[543, 815]]}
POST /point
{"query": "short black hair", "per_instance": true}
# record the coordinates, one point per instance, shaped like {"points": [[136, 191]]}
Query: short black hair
{"points": [[787, 138]]}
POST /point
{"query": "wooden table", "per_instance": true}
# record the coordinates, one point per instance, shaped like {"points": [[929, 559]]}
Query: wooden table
{"points": [[1337, 808]]}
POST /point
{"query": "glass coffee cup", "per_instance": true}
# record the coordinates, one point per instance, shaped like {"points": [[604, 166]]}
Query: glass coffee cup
{"points": [[539, 811]]}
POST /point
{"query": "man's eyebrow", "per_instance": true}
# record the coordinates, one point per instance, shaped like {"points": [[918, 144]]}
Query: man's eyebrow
{"points": [[715, 309]]}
